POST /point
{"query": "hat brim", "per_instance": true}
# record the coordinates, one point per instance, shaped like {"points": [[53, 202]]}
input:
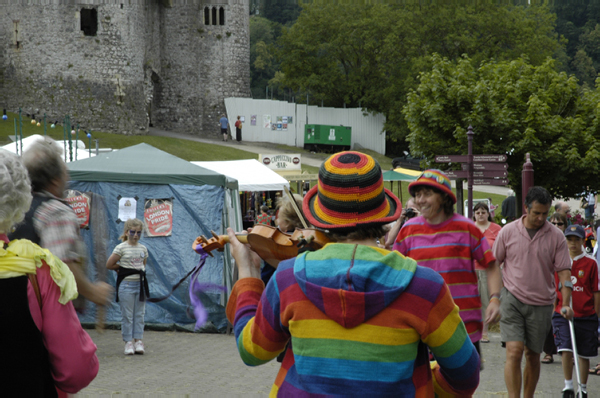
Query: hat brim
{"points": [[308, 207], [573, 233], [439, 187]]}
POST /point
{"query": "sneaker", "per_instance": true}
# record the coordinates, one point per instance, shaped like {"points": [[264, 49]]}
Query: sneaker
{"points": [[129, 348], [582, 394], [139, 347], [568, 394]]}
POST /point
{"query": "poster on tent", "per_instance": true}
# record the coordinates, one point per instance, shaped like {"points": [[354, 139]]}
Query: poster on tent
{"points": [[267, 121], [127, 208], [80, 203], [158, 217]]}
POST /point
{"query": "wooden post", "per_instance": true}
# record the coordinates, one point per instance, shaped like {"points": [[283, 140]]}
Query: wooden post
{"points": [[470, 135], [526, 178], [460, 198]]}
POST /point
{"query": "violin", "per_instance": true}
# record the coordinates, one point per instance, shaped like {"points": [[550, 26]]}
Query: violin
{"points": [[272, 245]]}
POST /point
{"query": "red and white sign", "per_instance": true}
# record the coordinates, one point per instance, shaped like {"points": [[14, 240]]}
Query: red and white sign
{"points": [[80, 203], [158, 217]]}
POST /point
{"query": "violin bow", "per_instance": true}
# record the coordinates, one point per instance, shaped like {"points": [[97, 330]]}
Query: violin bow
{"points": [[295, 206]]}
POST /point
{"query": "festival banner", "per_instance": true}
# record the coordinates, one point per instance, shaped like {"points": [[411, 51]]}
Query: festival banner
{"points": [[158, 217], [80, 203]]}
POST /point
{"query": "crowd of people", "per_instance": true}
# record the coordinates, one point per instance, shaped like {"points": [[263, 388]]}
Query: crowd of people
{"points": [[518, 275], [397, 303]]}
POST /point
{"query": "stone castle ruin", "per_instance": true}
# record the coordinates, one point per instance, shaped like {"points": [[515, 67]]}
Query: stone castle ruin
{"points": [[124, 65]]}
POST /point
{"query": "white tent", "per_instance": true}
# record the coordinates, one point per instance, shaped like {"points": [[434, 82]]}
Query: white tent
{"points": [[250, 173], [76, 150]]}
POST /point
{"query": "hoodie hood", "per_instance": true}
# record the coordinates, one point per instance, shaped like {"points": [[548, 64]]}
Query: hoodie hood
{"points": [[352, 283]]}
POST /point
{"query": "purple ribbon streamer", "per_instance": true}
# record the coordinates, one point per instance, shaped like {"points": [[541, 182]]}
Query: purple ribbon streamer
{"points": [[196, 287]]}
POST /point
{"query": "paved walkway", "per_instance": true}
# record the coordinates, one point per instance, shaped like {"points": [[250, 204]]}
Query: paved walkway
{"points": [[178, 364]]}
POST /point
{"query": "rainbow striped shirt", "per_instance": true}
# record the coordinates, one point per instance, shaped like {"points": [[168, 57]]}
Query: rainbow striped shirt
{"points": [[359, 321], [450, 249]]}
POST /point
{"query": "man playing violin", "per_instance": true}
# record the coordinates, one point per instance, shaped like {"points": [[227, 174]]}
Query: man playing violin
{"points": [[360, 319]]}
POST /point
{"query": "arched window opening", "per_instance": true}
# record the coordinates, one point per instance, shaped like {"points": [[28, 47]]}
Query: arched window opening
{"points": [[221, 16], [214, 15], [206, 16]]}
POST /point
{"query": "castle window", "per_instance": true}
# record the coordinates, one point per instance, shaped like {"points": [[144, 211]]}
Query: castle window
{"points": [[16, 34], [89, 21], [206, 16], [214, 15], [221, 16]]}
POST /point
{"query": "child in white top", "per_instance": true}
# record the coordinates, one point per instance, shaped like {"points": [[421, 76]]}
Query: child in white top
{"points": [[129, 260]]}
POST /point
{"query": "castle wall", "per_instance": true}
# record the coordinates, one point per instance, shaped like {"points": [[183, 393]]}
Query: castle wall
{"points": [[201, 65], [149, 62]]}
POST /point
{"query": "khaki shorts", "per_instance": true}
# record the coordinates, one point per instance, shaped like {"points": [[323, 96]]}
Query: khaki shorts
{"points": [[523, 322]]}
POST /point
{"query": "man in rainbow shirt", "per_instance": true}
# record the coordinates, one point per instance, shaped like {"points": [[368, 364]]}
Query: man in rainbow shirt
{"points": [[359, 319]]}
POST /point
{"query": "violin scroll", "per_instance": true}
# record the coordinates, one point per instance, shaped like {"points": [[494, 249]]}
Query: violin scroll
{"points": [[216, 242]]}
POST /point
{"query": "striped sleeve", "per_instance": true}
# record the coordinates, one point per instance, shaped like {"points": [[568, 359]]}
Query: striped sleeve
{"points": [[481, 250], [457, 369], [254, 313]]}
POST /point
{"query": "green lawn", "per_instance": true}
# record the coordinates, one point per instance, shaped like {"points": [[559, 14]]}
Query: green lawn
{"points": [[184, 149], [191, 150]]}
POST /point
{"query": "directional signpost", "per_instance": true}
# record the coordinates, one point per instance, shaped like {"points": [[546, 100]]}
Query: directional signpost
{"points": [[490, 158], [477, 169], [490, 181], [456, 174], [486, 166]]}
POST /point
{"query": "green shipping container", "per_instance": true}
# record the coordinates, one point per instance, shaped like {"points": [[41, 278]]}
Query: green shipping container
{"points": [[320, 137]]}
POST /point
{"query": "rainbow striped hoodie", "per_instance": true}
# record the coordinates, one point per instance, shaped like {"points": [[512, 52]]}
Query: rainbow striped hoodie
{"points": [[359, 321]]}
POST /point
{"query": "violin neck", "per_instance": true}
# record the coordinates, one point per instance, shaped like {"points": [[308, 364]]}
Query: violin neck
{"points": [[243, 238]]}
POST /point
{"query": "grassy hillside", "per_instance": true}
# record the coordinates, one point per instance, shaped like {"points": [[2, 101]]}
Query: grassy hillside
{"points": [[192, 150]]}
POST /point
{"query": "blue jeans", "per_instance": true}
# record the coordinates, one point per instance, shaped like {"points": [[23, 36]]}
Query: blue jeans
{"points": [[132, 310], [589, 212]]}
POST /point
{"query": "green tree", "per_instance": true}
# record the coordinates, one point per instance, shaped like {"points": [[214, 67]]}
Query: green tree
{"points": [[578, 23], [370, 56], [515, 108], [336, 53], [280, 11], [263, 64]]}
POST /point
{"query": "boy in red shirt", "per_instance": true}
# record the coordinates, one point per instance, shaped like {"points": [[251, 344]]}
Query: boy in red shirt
{"points": [[586, 306]]}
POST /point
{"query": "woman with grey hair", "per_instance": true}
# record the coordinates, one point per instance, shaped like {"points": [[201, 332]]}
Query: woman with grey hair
{"points": [[44, 349]]}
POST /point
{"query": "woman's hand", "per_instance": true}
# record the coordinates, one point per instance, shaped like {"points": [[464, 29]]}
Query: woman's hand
{"points": [[247, 261]]}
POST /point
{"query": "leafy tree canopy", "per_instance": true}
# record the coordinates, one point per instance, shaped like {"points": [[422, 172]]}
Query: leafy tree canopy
{"points": [[579, 23], [263, 64], [515, 107], [370, 55]]}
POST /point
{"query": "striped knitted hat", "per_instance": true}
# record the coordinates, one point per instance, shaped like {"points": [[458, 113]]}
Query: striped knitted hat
{"points": [[433, 178], [350, 193]]}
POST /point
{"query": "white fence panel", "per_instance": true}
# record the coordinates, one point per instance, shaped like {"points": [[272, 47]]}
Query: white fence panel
{"points": [[367, 130]]}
